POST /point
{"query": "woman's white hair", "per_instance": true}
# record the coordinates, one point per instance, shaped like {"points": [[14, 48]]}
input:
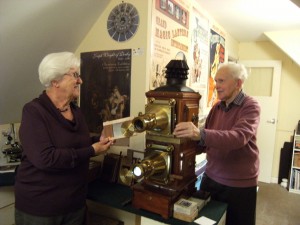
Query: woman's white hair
{"points": [[237, 71], [55, 65]]}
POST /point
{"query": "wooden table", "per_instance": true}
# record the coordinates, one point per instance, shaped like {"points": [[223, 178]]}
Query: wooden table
{"points": [[119, 196]]}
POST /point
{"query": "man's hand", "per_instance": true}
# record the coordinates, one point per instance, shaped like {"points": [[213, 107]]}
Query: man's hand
{"points": [[187, 130]]}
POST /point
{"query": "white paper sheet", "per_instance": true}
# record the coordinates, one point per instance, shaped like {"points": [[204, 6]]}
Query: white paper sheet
{"points": [[204, 221]]}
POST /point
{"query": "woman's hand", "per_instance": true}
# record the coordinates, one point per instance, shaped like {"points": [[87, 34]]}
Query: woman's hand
{"points": [[187, 130], [102, 145]]}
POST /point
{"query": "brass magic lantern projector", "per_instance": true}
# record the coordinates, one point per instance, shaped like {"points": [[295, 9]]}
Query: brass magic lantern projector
{"points": [[167, 171]]}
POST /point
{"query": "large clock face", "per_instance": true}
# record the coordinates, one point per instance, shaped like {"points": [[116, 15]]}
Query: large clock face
{"points": [[123, 22]]}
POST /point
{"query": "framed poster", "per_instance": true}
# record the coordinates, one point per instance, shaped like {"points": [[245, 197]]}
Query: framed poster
{"points": [[105, 92]]}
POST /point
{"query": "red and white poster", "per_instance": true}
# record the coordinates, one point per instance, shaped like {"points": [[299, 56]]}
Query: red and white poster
{"points": [[182, 29], [170, 29]]}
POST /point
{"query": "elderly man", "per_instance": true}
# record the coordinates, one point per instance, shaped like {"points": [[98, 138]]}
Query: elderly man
{"points": [[229, 139]]}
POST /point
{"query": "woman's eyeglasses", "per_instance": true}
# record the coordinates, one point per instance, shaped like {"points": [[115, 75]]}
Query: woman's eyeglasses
{"points": [[75, 75]]}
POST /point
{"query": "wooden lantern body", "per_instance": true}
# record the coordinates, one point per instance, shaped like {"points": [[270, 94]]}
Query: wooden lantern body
{"points": [[160, 189]]}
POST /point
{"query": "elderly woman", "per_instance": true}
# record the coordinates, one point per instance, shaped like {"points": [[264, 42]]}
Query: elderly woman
{"points": [[51, 181]]}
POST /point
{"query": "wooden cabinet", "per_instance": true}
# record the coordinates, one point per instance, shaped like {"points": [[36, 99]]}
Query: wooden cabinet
{"points": [[294, 182]]}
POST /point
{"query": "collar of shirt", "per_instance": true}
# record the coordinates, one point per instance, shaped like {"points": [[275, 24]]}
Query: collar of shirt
{"points": [[237, 101]]}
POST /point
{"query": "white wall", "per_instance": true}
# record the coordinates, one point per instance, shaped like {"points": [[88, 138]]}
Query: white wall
{"points": [[287, 41], [289, 109], [98, 39]]}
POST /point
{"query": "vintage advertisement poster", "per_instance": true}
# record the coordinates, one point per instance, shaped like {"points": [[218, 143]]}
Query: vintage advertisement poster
{"points": [[199, 55], [105, 92], [217, 56], [170, 28]]}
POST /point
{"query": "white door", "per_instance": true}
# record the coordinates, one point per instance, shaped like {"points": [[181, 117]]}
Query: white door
{"points": [[263, 84]]}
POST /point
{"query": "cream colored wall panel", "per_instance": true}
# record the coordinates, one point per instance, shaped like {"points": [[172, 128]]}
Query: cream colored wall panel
{"points": [[289, 109], [7, 196], [7, 207], [7, 215]]}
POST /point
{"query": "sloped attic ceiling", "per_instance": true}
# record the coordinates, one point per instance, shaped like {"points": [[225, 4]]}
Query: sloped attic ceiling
{"points": [[30, 29]]}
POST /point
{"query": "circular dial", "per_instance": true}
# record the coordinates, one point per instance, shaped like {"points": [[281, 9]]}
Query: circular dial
{"points": [[123, 22]]}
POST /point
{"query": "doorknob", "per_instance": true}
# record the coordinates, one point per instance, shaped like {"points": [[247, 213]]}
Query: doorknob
{"points": [[271, 121]]}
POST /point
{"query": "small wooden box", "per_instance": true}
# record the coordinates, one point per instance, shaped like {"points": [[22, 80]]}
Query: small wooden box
{"points": [[185, 206], [185, 217], [153, 201]]}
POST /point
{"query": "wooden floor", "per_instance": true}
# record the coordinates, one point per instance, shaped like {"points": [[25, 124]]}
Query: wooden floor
{"points": [[277, 206]]}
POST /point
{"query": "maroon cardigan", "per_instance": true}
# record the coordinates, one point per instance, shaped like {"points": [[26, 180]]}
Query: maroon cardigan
{"points": [[230, 139], [52, 177]]}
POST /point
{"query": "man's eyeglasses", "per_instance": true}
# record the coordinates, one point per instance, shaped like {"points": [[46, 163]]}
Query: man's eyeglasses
{"points": [[75, 75]]}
